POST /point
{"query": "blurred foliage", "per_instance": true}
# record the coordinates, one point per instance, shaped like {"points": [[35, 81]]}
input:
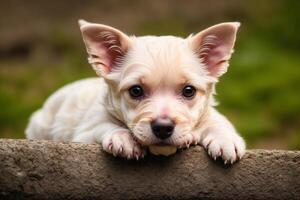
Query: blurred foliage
{"points": [[260, 93]]}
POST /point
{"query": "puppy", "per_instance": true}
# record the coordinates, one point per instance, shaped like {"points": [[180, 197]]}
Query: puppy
{"points": [[154, 92]]}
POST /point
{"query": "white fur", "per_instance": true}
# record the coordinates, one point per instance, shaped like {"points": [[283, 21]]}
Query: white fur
{"points": [[100, 110]]}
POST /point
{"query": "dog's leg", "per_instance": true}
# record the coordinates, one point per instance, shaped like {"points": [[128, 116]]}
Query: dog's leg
{"points": [[220, 139], [114, 139]]}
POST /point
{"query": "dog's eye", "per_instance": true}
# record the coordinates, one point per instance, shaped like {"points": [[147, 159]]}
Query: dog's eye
{"points": [[188, 91], [136, 92]]}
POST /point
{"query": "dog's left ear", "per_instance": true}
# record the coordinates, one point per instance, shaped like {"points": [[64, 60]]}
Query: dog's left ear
{"points": [[106, 46], [214, 46]]}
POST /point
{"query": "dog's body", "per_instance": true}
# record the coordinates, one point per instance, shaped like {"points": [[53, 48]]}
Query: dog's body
{"points": [[154, 91]]}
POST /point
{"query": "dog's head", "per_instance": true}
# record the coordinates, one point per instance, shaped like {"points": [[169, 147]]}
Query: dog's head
{"points": [[160, 87]]}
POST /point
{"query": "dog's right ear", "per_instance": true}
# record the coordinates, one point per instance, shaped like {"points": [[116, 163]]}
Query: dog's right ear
{"points": [[106, 46], [214, 46]]}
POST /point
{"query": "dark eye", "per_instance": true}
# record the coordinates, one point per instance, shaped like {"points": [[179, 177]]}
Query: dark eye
{"points": [[188, 91], [136, 92]]}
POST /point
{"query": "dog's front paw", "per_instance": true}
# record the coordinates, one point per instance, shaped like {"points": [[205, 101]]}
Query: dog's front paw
{"points": [[121, 143], [229, 148]]}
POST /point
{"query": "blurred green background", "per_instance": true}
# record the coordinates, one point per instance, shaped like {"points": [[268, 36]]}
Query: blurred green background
{"points": [[41, 49]]}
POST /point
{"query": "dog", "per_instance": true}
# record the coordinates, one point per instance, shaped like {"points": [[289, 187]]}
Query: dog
{"points": [[154, 92]]}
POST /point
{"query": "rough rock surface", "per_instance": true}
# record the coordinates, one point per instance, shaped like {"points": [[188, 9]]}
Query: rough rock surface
{"points": [[49, 170]]}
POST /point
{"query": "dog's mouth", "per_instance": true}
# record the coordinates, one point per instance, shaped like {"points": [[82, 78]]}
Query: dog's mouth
{"points": [[162, 144], [159, 144]]}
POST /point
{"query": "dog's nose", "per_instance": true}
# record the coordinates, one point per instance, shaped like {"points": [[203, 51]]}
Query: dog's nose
{"points": [[162, 127]]}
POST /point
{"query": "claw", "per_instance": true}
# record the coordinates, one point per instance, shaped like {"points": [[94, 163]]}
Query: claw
{"points": [[225, 162], [120, 150], [136, 157], [110, 147], [208, 144], [231, 162], [215, 158]]}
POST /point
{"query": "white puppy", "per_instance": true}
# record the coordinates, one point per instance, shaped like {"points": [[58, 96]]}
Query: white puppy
{"points": [[154, 92]]}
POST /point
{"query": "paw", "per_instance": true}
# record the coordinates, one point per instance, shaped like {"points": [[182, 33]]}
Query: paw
{"points": [[186, 140], [229, 148], [121, 143]]}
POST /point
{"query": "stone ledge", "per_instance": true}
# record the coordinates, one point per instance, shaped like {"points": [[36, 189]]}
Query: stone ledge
{"points": [[50, 170]]}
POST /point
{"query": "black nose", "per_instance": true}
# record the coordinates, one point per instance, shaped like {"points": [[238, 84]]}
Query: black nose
{"points": [[162, 128]]}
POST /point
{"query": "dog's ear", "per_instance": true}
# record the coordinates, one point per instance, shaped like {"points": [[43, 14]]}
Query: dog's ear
{"points": [[106, 46], [214, 46]]}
